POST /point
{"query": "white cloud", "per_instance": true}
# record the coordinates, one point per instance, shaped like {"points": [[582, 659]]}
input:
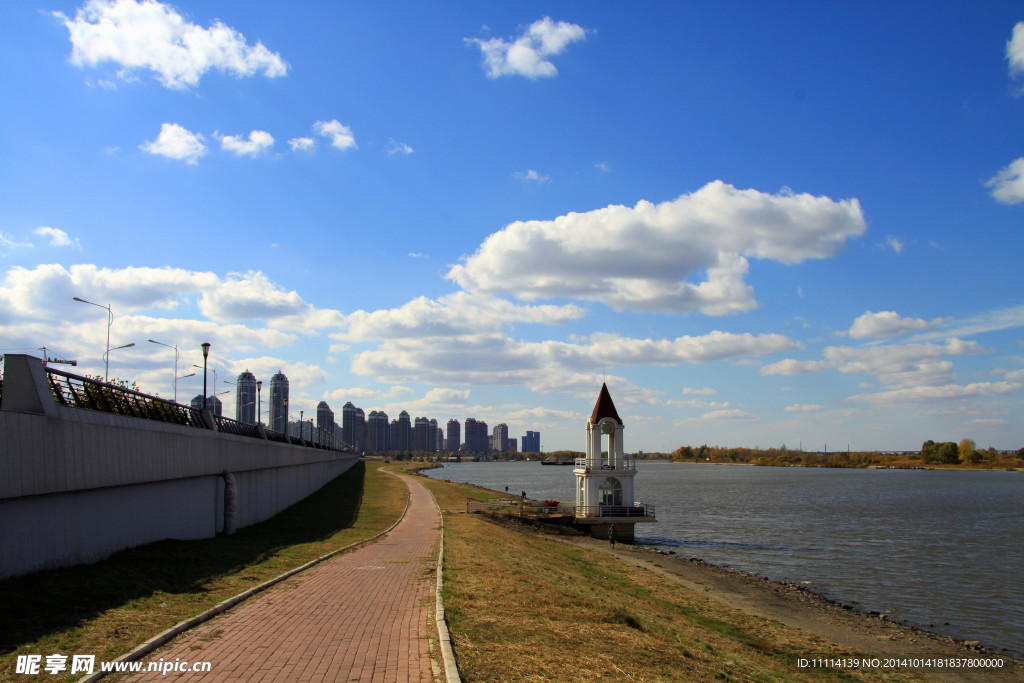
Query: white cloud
{"points": [[57, 237], [706, 391], [906, 364], [153, 36], [176, 142], [531, 176], [249, 296], [603, 167], [340, 135], [988, 321], [1008, 185], [302, 144], [452, 315], [259, 141], [640, 258], [1013, 382], [730, 415], [894, 243], [1015, 50], [888, 324], [804, 408], [396, 147], [7, 242], [527, 55]]}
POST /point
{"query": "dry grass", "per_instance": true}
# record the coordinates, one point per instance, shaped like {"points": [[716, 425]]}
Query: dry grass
{"points": [[110, 607], [522, 606]]}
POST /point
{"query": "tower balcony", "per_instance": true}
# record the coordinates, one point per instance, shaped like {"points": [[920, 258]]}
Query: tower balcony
{"points": [[585, 466]]}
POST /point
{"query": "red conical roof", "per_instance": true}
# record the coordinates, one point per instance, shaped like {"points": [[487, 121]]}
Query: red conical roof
{"points": [[604, 407]]}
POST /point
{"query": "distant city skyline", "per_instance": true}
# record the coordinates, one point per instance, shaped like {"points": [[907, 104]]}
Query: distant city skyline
{"points": [[759, 223]]}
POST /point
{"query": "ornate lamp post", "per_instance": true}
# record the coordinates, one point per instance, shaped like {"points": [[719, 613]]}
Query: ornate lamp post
{"points": [[110, 321], [259, 401], [206, 354]]}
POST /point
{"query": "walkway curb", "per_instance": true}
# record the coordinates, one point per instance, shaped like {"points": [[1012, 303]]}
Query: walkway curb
{"points": [[451, 669], [176, 630]]}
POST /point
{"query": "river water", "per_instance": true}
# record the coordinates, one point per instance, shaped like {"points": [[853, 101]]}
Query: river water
{"points": [[943, 550]]}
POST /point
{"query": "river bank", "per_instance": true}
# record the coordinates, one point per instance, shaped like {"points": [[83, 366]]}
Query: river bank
{"points": [[794, 607]]}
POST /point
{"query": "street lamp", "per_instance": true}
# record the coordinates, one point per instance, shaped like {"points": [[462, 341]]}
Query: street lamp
{"points": [[175, 347], [206, 354], [259, 401], [106, 356], [191, 374], [110, 321]]}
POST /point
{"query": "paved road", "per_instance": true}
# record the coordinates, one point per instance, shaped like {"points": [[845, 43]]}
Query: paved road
{"points": [[364, 616]]}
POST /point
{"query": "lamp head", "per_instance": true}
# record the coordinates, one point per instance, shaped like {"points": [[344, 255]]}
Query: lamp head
{"points": [[206, 349], [259, 384]]}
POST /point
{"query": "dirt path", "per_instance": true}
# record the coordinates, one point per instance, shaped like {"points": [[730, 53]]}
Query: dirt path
{"points": [[798, 608]]}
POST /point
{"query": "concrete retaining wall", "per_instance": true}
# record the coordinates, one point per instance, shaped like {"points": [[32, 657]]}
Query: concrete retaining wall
{"points": [[77, 485]]}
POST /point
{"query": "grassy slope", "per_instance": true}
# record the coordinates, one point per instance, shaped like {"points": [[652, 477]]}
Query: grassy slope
{"points": [[110, 607], [522, 606]]}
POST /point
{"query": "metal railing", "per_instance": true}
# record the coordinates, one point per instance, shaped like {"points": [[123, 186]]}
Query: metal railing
{"points": [[531, 508], [76, 391], [81, 392], [624, 464], [635, 510]]}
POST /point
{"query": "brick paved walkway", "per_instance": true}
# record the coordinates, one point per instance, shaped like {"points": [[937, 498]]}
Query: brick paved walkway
{"points": [[364, 616]]}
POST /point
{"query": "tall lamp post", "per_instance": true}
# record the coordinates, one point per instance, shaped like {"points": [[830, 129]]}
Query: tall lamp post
{"points": [[106, 356], [259, 402], [110, 321], [191, 374], [175, 347], [206, 354]]}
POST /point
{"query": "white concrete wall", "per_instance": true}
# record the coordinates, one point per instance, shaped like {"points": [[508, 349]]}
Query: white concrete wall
{"points": [[77, 485]]}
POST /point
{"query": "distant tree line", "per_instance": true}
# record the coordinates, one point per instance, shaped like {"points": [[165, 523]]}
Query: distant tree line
{"points": [[931, 453]]}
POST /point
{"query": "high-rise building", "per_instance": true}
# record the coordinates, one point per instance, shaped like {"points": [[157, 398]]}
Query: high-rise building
{"points": [[348, 424], [279, 402], [476, 439], [213, 404], [401, 435], [421, 434], [245, 398], [378, 432], [324, 422], [500, 443], [531, 442], [454, 438], [432, 446], [360, 429], [513, 446]]}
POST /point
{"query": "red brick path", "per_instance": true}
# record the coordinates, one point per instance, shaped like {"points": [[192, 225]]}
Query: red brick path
{"points": [[364, 616]]}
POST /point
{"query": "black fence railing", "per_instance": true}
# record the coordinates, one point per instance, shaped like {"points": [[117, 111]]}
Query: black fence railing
{"points": [[83, 392]]}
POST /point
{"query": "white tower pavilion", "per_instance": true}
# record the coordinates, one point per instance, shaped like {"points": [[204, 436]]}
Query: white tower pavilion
{"points": [[604, 478]]}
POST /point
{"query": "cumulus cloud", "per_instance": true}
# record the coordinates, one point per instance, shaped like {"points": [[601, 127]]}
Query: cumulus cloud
{"points": [[1015, 50], [340, 135], [176, 142], [455, 314], [641, 258], [804, 408], [545, 366], [888, 324], [897, 364], [1012, 383], [531, 176], [249, 296], [395, 147], [149, 35], [706, 391], [302, 144], [259, 141], [527, 54], [1008, 185], [57, 237]]}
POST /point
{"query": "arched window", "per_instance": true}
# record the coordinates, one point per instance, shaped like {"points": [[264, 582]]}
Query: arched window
{"points": [[611, 491]]}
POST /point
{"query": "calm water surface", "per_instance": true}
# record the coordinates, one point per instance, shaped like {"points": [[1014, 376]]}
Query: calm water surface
{"points": [[942, 550]]}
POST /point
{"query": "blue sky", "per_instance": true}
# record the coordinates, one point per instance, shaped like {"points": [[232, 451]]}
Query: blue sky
{"points": [[760, 223]]}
